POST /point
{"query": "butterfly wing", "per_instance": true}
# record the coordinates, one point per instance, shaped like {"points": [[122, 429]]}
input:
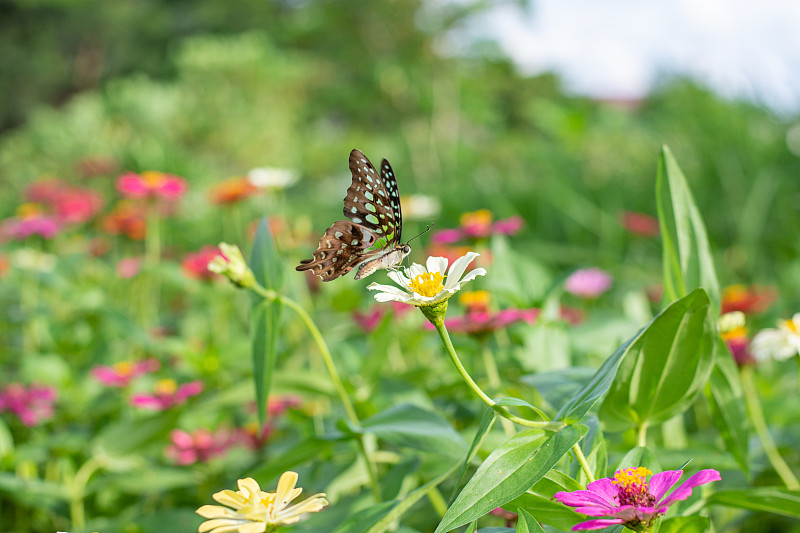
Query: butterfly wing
{"points": [[372, 199], [344, 246]]}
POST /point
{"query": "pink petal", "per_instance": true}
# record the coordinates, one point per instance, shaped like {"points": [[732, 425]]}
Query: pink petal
{"points": [[187, 390], [147, 402], [685, 490], [596, 524], [663, 481], [446, 236]]}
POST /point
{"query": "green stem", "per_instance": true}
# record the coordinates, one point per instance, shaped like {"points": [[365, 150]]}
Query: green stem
{"points": [[576, 449], [641, 435], [78, 491], [152, 258], [491, 368], [334, 374], [502, 411], [760, 425], [437, 501]]}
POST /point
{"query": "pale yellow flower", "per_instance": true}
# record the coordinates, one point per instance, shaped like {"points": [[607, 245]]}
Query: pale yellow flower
{"points": [[251, 510], [232, 265]]}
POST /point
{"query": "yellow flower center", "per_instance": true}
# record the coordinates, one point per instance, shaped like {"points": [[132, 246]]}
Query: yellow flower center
{"points": [[153, 178], [123, 368], [29, 210], [791, 325], [735, 333], [428, 284], [166, 386], [475, 298], [632, 476], [481, 217]]}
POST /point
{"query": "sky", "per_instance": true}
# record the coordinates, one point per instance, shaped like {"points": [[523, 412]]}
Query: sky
{"points": [[621, 48]]}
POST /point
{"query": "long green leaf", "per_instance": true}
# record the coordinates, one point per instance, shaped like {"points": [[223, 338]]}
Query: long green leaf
{"points": [[769, 499], [269, 272], [665, 368], [508, 472], [639, 456], [484, 426], [687, 259], [527, 523]]}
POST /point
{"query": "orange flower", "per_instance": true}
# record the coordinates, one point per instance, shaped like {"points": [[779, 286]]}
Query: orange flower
{"points": [[231, 190]]}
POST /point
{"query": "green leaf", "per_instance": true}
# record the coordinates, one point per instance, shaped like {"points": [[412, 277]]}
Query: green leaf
{"points": [[365, 519], [639, 456], [687, 260], [265, 324], [729, 411], [129, 436], [769, 499], [508, 472], [517, 402], [265, 315], [527, 523], [665, 368], [385, 522], [265, 262], [547, 510], [486, 423], [412, 426], [296, 455], [685, 524]]}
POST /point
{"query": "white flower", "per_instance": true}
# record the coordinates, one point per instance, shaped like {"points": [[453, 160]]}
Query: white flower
{"points": [[420, 206], [781, 343], [251, 510], [423, 286], [276, 178]]}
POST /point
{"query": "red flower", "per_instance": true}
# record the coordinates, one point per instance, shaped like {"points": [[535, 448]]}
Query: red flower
{"points": [[126, 219], [195, 265], [640, 224], [748, 300], [231, 191]]}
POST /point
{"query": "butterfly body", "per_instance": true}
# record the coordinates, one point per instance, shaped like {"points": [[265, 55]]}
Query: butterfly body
{"points": [[372, 205], [388, 260]]}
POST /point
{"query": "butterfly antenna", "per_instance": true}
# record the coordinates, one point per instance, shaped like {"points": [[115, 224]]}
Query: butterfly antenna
{"points": [[428, 228]]}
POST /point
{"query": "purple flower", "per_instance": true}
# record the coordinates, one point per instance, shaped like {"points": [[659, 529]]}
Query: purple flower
{"points": [[31, 404], [588, 282], [629, 499], [167, 394]]}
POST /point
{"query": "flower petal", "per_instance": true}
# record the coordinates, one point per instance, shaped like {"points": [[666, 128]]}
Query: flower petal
{"points": [[386, 297], [216, 511], [415, 270], [389, 289], [436, 264], [685, 490], [596, 524], [286, 491], [399, 278], [663, 481], [457, 269]]}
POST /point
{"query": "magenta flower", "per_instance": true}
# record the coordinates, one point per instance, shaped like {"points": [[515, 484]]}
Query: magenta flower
{"points": [[31, 404], [368, 321], [588, 282], [167, 394], [478, 225], [629, 499], [482, 322], [199, 446], [151, 184], [121, 374], [20, 228], [195, 264]]}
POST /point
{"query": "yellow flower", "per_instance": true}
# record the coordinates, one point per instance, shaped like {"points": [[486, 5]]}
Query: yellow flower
{"points": [[251, 510], [233, 266]]}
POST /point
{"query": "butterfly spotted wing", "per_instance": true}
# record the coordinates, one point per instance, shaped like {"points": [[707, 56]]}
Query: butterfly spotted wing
{"points": [[372, 205]]}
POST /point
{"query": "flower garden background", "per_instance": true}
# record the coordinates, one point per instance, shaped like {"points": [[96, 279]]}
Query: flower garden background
{"points": [[599, 331]]}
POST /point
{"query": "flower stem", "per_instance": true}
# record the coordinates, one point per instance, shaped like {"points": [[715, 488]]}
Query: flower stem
{"points": [[641, 435], [491, 368], [760, 425], [334, 375], [78, 491], [576, 449], [502, 411]]}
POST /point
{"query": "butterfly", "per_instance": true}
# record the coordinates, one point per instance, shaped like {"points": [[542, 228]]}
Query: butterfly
{"points": [[372, 206]]}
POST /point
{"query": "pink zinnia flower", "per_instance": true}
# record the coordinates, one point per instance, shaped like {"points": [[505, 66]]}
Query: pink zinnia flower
{"points": [[483, 322], [478, 225], [253, 437], [629, 499], [31, 404], [121, 374], [199, 446], [167, 394], [151, 184], [129, 267], [588, 282], [195, 265], [369, 320], [30, 221], [76, 206]]}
